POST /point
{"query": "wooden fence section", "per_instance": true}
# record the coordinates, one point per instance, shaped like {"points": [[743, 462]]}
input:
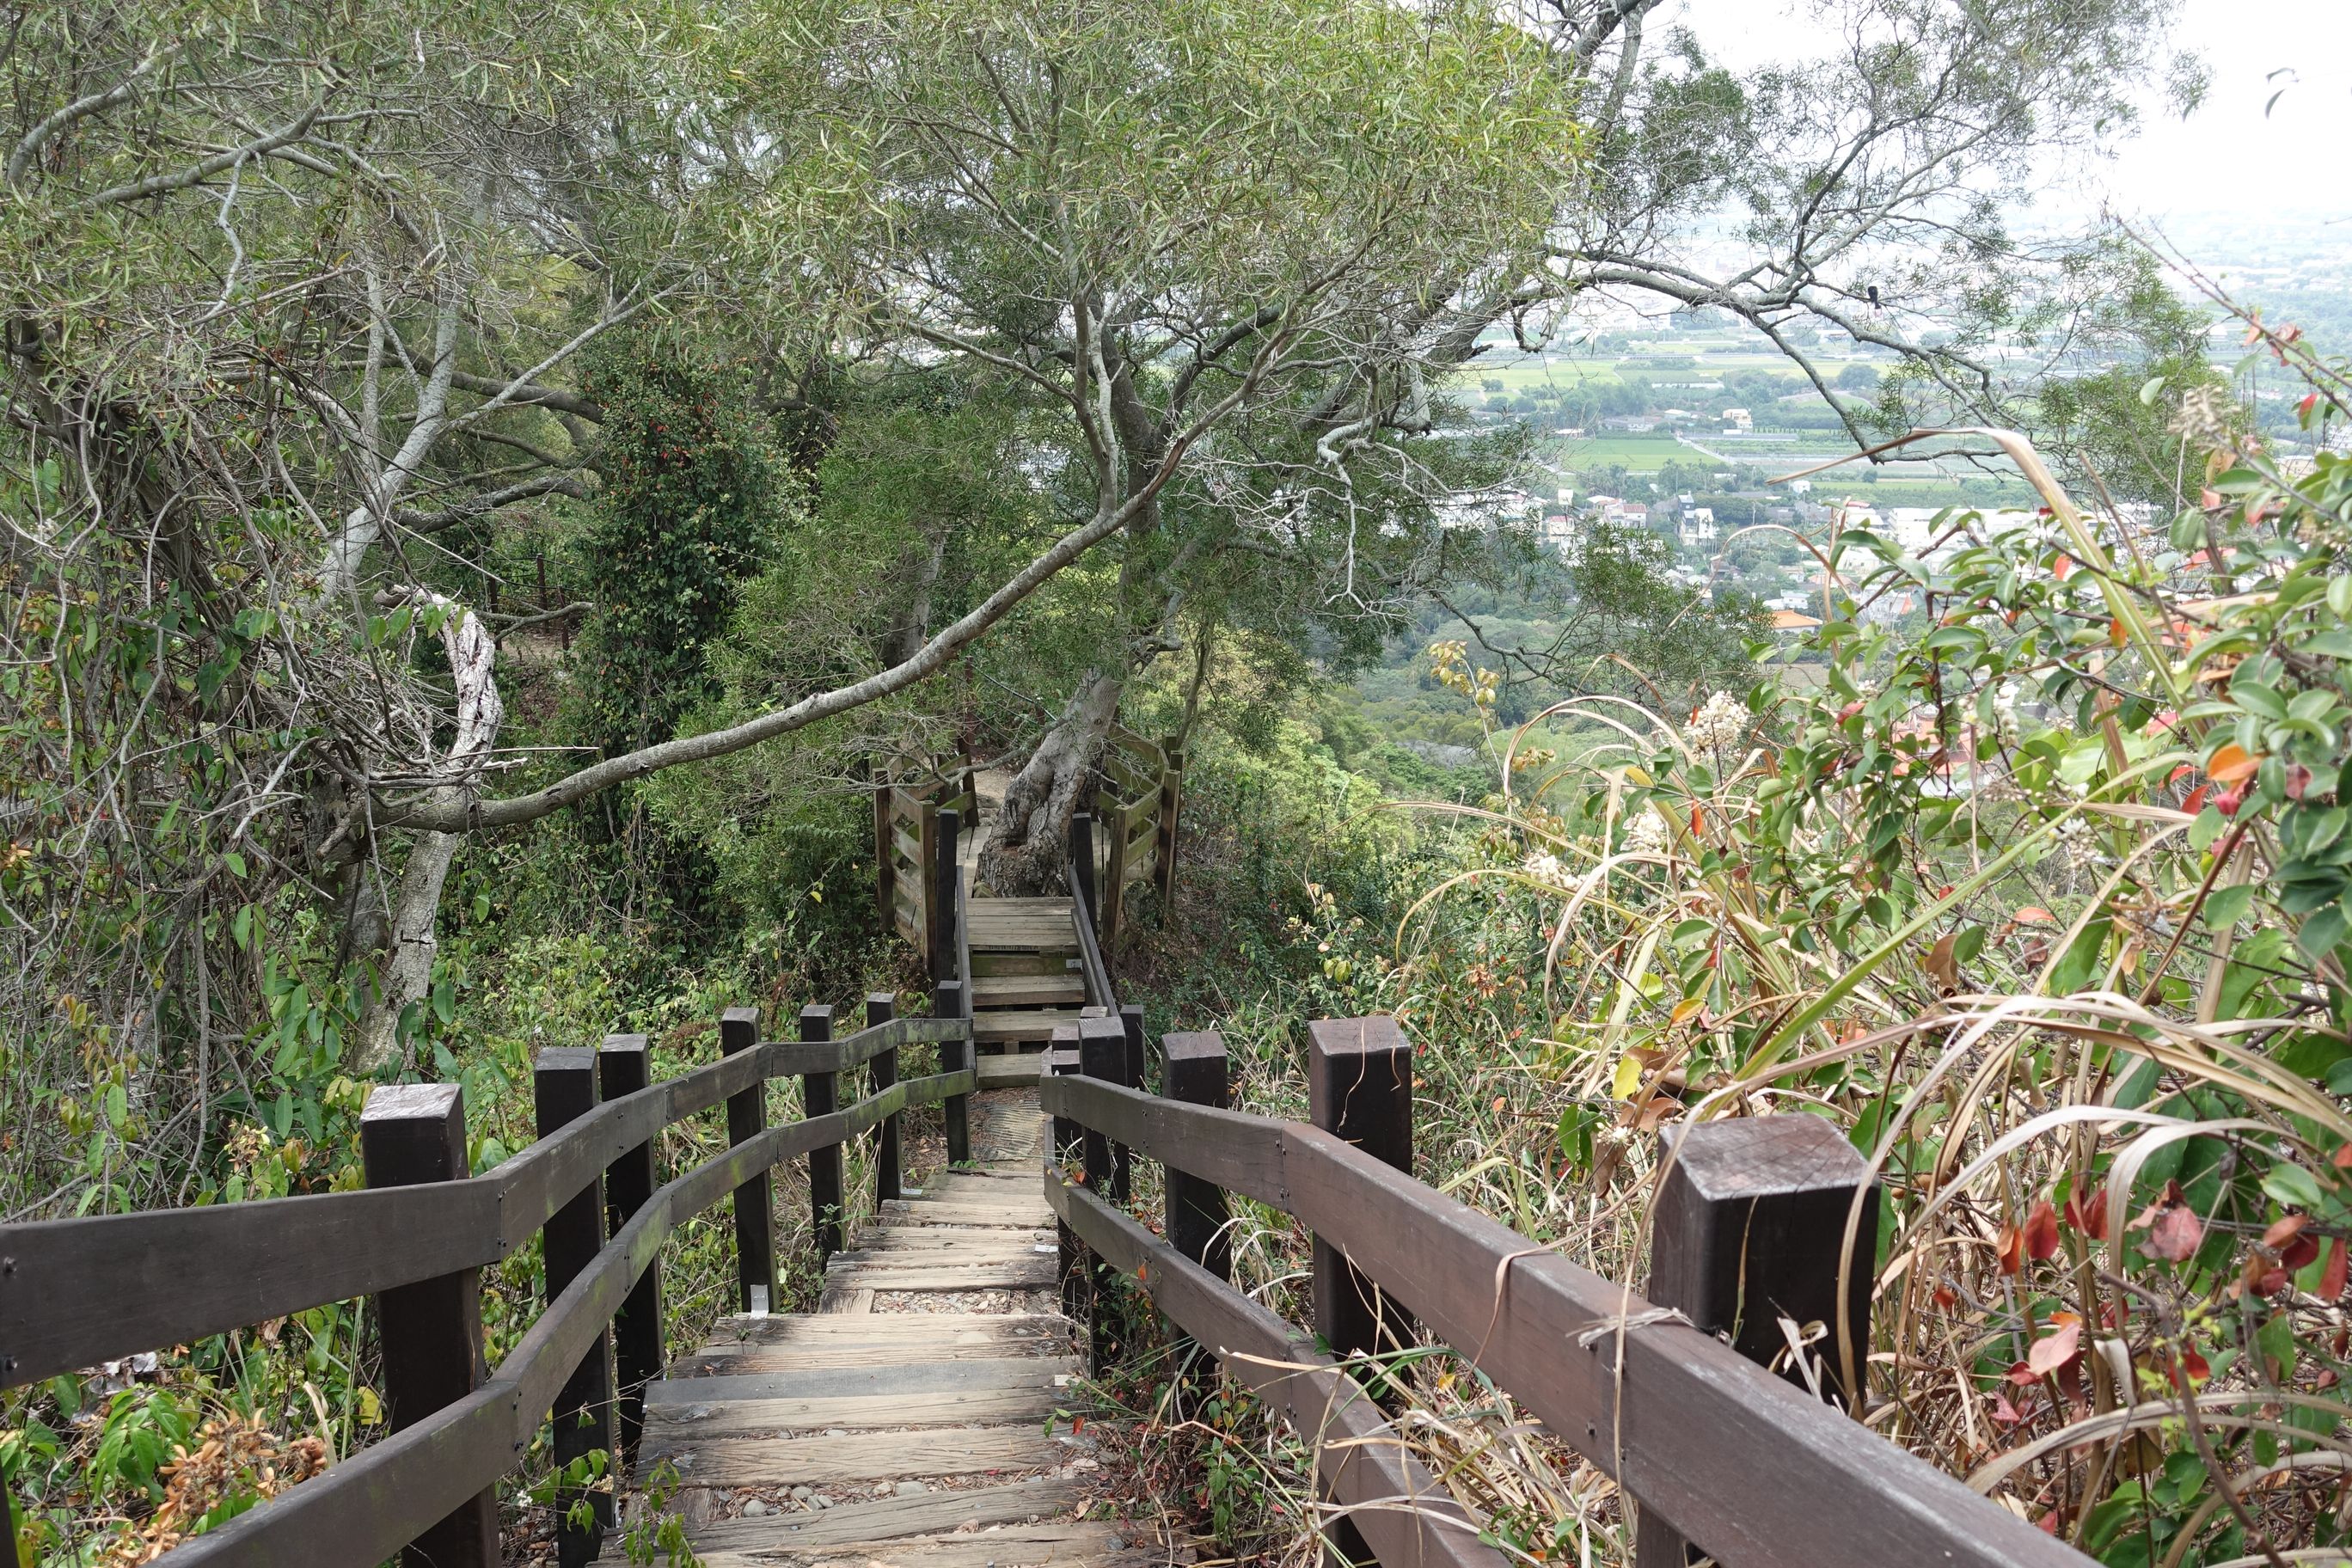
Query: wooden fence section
{"points": [[1743, 1464], [909, 795], [76, 1291], [1136, 804]]}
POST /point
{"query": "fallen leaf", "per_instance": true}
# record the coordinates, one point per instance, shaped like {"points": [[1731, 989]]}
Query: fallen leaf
{"points": [[2034, 915], [2013, 1249], [2331, 1278], [1939, 964]]}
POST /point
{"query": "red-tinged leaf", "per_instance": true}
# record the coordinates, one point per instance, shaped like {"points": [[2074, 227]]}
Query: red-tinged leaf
{"points": [[2343, 1158], [2305, 403], [2004, 1411], [2299, 1254], [2049, 1522], [2090, 1218], [1698, 821], [2054, 1350], [2196, 801], [2298, 780], [2023, 1375], [2193, 1362], [2062, 567], [2013, 1249], [2331, 1278], [2034, 915], [2175, 1236], [1947, 1297], [2283, 1231], [2042, 1231], [2186, 770]]}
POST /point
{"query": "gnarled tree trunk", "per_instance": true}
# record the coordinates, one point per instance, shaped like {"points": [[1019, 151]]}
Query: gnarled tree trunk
{"points": [[406, 978], [1025, 856]]}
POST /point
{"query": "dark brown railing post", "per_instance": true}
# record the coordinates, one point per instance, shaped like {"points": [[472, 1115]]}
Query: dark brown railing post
{"points": [[882, 1072], [747, 1118], [1061, 1061], [1172, 801], [622, 1068], [431, 1332], [563, 1090], [1132, 1075], [1193, 1069], [1082, 863], [1758, 1206], [821, 1096], [948, 1001], [1359, 1086], [1102, 1054], [940, 869], [886, 849]]}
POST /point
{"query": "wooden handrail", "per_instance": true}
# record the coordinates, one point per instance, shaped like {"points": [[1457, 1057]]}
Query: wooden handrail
{"points": [[1401, 1511], [1738, 1458], [370, 1506], [91, 1289]]}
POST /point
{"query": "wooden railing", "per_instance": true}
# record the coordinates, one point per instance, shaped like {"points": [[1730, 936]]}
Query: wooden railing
{"points": [[76, 1291], [1137, 801], [910, 791], [1748, 1230]]}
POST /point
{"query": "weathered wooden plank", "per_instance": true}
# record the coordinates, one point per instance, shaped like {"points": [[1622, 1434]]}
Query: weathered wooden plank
{"points": [[1071, 1545], [941, 1327], [935, 1512], [684, 1426], [1015, 1026], [926, 1212], [1018, 1274], [1014, 1069], [714, 1360], [1028, 990], [867, 1455], [908, 1376]]}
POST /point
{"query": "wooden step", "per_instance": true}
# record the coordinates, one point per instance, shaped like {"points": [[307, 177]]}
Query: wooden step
{"points": [[672, 1427], [1028, 925], [1029, 1272], [1064, 990], [935, 1512], [909, 1378], [1017, 1025], [820, 1336], [868, 1456], [1012, 1070], [1059, 1545], [1049, 961]]}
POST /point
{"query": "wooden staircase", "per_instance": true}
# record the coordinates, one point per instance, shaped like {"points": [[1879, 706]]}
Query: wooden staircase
{"points": [[907, 1420]]}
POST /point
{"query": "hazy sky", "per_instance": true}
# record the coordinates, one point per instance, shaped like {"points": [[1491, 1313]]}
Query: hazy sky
{"points": [[2227, 158]]}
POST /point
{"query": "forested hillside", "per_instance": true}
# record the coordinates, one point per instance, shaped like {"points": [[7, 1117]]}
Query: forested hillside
{"points": [[490, 490]]}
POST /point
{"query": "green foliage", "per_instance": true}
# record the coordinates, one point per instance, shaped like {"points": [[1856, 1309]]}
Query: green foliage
{"points": [[695, 499]]}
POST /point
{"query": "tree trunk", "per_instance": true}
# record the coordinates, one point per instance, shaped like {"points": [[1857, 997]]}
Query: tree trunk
{"points": [[406, 977], [1024, 856]]}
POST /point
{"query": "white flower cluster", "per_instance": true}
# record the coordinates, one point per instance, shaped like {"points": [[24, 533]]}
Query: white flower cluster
{"points": [[1720, 723], [1547, 868], [1645, 835]]}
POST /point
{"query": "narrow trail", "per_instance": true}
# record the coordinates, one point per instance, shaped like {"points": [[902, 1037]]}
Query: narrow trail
{"points": [[904, 1421]]}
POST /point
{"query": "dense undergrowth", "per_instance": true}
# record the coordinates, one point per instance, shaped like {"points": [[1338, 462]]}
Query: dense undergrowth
{"points": [[2041, 900]]}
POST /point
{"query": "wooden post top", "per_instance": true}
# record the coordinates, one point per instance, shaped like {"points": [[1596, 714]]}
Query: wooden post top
{"points": [[1766, 1156], [564, 1059], [816, 1021], [1062, 1059], [1375, 1036], [617, 1043], [413, 1102], [1192, 1044]]}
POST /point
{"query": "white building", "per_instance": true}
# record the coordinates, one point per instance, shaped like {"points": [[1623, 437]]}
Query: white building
{"points": [[1697, 531]]}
